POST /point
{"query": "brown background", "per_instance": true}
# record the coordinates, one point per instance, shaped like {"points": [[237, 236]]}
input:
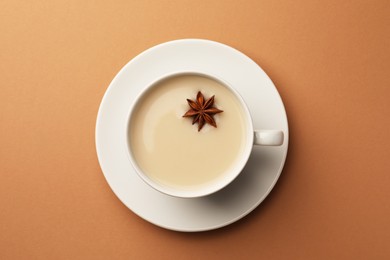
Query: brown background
{"points": [[329, 60]]}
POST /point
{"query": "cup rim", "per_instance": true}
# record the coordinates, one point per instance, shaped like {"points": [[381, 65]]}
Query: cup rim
{"points": [[207, 190]]}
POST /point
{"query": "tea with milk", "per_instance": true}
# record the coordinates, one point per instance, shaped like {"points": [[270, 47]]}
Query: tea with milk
{"points": [[169, 149]]}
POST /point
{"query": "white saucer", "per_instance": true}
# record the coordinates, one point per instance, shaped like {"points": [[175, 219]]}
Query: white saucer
{"points": [[240, 197]]}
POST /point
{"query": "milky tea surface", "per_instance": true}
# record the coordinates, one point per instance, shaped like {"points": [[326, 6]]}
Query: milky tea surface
{"points": [[169, 149]]}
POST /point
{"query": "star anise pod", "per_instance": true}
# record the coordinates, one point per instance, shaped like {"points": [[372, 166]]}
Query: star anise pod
{"points": [[202, 111]]}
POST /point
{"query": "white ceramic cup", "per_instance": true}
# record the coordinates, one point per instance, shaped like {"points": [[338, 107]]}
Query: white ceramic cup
{"points": [[268, 137]]}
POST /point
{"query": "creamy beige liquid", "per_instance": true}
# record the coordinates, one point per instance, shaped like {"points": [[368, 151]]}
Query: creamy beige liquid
{"points": [[169, 149]]}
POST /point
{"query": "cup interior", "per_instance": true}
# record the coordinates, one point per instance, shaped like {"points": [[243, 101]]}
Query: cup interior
{"points": [[185, 191]]}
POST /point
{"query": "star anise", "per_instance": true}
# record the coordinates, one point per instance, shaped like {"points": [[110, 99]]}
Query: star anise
{"points": [[202, 111]]}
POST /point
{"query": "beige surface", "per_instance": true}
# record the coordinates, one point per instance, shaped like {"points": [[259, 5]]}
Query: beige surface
{"points": [[330, 61]]}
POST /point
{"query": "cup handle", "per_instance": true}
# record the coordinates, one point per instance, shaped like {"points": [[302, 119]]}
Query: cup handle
{"points": [[268, 137]]}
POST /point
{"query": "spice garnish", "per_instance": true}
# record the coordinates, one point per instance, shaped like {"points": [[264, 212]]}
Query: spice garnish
{"points": [[202, 111]]}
